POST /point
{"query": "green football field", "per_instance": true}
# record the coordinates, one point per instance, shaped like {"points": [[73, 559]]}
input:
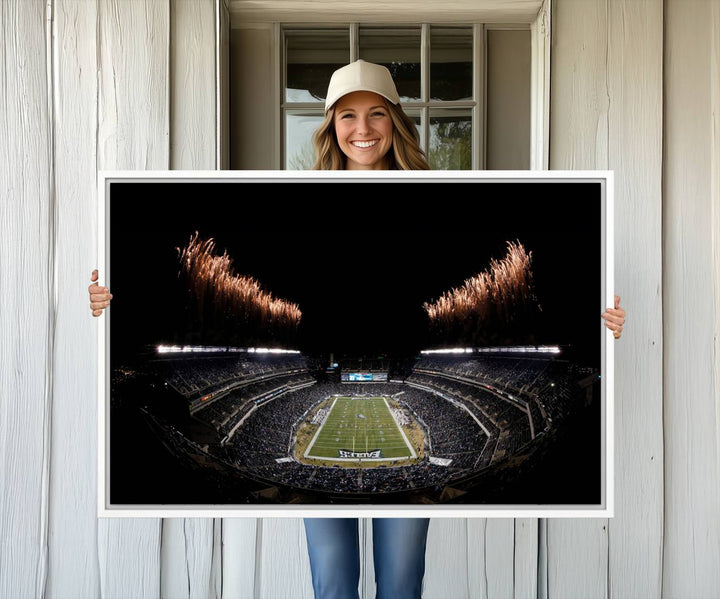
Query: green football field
{"points": [[359, 428]]}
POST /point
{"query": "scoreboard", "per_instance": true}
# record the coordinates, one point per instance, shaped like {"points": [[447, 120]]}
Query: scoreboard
{"points": [[363, 377]]}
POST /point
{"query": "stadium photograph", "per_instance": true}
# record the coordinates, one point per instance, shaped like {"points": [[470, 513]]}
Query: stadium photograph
{"points": [[374, 343]]}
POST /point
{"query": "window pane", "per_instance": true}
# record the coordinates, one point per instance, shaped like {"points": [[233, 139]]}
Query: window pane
{"points": [[399, 50], [451, 63], [450, 145], [299, 151], [311, 57]]}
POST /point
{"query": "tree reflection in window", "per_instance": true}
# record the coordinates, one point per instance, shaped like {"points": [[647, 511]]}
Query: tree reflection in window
{"points": [[450, 145]]}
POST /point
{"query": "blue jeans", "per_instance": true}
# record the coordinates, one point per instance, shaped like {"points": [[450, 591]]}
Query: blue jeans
{"points": [[398, 554]]}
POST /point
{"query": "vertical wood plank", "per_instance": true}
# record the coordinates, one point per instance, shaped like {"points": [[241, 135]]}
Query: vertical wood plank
{"points": [[490, 557], [500, 556], [525, 574], [216, 571], [73, 562], [542, 572], [579, 97], [192, 85], [26, 306], [187, 544], [187, 558], [133, 125], [635, 89], [448, 559], [577, 552], [577, 558], [283, 567], [715, 196], [129, 558], [692, 398], [239, 557]]}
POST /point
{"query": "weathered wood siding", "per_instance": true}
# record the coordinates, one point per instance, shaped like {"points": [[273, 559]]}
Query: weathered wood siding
{"points": [[691, 317], [112, 84], [73, 549], [607, 113], [27, 281]]}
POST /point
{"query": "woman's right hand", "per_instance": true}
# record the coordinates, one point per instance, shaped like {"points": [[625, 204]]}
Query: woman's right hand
{"points": [[99, 296]]}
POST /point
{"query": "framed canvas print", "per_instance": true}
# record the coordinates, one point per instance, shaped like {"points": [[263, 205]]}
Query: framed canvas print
{"points": [[356, 344]]}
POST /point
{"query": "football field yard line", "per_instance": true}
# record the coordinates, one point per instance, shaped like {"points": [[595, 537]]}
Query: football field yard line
{"points": [[402, 432], [317, 432]]}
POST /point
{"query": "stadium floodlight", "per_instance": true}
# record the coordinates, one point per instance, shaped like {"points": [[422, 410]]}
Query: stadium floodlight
{"points": [[167, 349], [184, 349], [455, 350], [523, 349]]}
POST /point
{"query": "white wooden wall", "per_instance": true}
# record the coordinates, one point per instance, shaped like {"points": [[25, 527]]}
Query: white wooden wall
{"points": [[115, 84], [607, 113], [691, 279]]}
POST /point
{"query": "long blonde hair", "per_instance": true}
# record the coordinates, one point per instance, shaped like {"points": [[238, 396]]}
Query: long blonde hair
{"points": [[405, 154]]}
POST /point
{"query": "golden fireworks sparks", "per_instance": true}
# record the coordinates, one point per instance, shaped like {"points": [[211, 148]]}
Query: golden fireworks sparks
{"points": [[214, 283], [493, 293]]}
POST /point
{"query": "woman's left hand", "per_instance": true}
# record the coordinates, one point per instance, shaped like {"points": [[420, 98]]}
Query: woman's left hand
{"points": [[615, 318]]}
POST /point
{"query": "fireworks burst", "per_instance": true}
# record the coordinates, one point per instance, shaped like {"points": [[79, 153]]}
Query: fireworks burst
{"points": [[495, 293], [214, 283]]}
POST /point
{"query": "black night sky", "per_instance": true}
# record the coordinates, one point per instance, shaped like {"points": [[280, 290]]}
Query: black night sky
{"points": [[358, 258]]}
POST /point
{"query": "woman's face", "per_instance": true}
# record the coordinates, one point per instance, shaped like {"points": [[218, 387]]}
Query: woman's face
{"points": [[364, 130]]}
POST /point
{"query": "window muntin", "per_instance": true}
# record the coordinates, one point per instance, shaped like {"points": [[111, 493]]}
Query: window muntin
{"points": [[439, 72]]}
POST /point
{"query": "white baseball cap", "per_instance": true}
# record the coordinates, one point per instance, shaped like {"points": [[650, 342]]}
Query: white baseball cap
{"points": [[361, 76]]}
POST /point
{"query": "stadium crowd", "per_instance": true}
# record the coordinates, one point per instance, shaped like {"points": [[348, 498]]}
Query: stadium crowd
{"points": [[195, 375], [473, 412], [548, 386]]}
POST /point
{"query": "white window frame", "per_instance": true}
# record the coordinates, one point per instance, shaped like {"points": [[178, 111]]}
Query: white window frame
{"points": [[537, 18]]}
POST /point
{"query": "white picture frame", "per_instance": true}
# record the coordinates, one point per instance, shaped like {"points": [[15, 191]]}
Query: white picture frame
{"points": [[441, 199]]}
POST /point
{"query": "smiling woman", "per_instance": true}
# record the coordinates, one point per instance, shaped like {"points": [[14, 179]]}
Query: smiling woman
{"points": [[365, 128]]}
